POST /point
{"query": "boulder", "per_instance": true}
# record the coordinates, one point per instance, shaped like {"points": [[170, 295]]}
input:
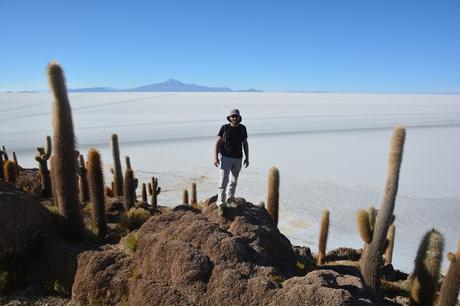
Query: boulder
{"points": [[192, 257]]}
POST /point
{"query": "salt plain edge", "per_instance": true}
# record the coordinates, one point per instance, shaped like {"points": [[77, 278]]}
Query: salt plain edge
{"points": [[331, 150]]}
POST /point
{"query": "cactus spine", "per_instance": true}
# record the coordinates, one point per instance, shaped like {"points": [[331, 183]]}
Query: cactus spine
{"points": [[451, 283], [424, 282], [391, 244], [154, 191], [185, 197], [324, 231], [42, 156], [96, 191], [130, 189], [144, 193], [371, 260], [193, 199], [63, 160], [273, 193], [117, 174], [83, 174], [10, 172]]}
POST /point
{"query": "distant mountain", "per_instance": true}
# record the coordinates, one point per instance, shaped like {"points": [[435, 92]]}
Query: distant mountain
{"points": [[166, 86]]}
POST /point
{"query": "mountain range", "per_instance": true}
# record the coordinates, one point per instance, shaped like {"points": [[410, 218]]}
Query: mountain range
{"points": [[170, 85]]}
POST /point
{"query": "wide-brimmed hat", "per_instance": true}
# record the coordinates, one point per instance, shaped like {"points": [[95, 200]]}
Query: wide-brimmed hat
{"points": [[234, 112]]}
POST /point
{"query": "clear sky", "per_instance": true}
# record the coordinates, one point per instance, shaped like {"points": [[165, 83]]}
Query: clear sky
{"points": [[343, 46]]}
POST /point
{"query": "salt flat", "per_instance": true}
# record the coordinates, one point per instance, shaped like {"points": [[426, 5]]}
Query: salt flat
{"points": [[331, 150]]}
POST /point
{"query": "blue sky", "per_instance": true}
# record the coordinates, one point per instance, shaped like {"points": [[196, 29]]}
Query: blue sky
{"points": [[341, 46]]}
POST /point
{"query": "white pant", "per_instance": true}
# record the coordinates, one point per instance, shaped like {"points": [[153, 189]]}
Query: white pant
{"points": [[229, 167]]}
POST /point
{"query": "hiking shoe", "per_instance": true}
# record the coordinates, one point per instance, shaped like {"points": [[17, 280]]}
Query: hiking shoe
{"points": [[221, 210], [232, 203]]}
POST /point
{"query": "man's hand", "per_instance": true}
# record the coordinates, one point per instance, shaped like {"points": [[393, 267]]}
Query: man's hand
{"points": [[246, 163], [216, 162]]}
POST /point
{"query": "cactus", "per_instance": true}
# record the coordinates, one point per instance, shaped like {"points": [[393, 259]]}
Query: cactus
{"points": [[64, 174], [96, 191], [424, 282], [130, 189], [5, 154], [10, 172], [261, 204], [451, 283], [193, 199], [185, 197], [273, 193], [323, 233], [391, 244], [372, 213], [83, 174], [364, 225], [371, 260], [117, 174], [15, 158], [154, 191], [128, 162], [43, 154], [144, 193]]}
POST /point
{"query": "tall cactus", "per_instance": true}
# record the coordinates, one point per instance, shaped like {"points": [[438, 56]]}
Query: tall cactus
{"points": [[391, 244], [185, 197], [451, 283], [323, 233], [83, 179], [193, 198], [273, 193], [43, 154], [96, 191], [10, 172], [371, 260], [144, 193], [424, 282], [64, 174], [154, 191], [117, 173], [130, 189], [15, 158], [364, 226], [128, 162]]}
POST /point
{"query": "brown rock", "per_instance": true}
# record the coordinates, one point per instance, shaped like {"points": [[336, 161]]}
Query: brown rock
{"points": [[184, 257]]}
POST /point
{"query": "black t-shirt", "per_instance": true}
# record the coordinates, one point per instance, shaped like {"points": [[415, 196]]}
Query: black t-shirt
{"points": [[232, 140]]}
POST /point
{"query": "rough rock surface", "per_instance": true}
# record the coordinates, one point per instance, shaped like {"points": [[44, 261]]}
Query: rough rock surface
{"points": [[188, 257], [24, 223]]}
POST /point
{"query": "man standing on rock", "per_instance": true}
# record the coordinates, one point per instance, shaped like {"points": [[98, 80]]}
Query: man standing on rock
{"points": [[231, 141]]}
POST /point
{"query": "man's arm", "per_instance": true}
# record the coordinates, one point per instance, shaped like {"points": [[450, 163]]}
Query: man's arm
{"points": [[217, 151], [246, 152]]}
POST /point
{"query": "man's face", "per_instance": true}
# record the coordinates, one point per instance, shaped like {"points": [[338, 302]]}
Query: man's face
{"points": [[234, 119]]}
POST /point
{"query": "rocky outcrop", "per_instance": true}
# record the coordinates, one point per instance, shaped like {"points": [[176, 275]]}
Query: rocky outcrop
{"points": [[24, 223], [192, 257]]}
